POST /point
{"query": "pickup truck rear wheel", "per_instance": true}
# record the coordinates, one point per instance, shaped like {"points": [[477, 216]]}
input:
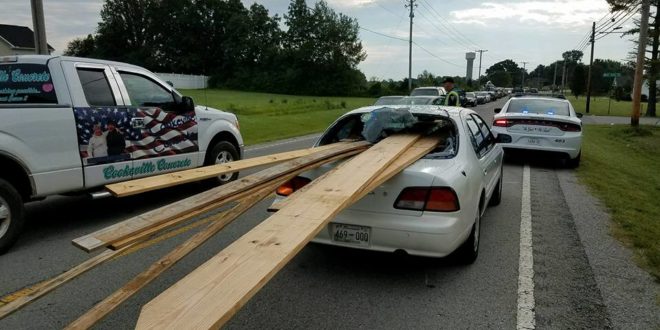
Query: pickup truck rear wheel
{"points": [[222, 152], [12, 215]]}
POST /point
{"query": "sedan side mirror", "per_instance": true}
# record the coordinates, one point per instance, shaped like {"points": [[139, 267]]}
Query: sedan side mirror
{"points": [[579, 114], [497, 110]]}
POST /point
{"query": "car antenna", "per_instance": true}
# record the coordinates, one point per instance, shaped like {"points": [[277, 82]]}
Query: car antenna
{"points": [[205, 85]]}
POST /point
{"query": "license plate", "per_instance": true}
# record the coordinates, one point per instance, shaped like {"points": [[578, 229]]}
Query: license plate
{"points": [[533, 141], [351, 234]]}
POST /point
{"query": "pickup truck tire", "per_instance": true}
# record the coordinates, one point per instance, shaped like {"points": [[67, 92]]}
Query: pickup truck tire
{"points": [[12, 215], [222, 152]]}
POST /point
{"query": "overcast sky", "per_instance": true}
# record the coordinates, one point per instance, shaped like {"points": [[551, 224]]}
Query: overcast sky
{"points": [[532, 31]]}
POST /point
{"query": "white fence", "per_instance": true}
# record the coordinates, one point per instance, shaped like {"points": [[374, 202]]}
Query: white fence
{"points": [[185, 81]]}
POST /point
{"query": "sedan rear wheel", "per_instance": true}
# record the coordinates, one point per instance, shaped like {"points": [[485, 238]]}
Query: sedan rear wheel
{"points": [[575, 162], [468, 252]]}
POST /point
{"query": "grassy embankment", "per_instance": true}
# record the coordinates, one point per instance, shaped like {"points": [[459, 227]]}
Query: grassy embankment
{"points": [[266, 117], [599, 106], [620, 166]]}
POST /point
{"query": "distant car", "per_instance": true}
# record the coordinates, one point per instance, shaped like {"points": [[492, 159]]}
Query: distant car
{"points": [[433, 207], [486, 96], [421, 100], [428, 91], [541, 123], [493, 95], [387, 100], [470, 99]]}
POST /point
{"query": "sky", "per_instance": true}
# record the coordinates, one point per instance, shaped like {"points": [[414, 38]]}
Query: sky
{"points": [[536, 31]]}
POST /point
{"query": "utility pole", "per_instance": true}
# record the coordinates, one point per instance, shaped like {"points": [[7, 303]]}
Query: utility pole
{"points": [[554, 78], [591, 63], [639, 68], [39, 25], [411, 4], [523, 75], [480, 51], [563, 77]]}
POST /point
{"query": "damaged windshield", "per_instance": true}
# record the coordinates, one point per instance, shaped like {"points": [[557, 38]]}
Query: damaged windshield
{"points": [[375, 125]]}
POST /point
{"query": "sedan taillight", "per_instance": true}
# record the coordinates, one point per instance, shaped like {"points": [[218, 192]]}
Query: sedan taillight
{"points": [[435, 199], [292, 186], [503, 123]]}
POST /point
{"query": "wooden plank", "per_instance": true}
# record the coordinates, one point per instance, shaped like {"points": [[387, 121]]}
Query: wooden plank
{"points": [[423, 146], [219, 221], [138, 186], [210, 295], [159, 216], [57, 281], [143, 235]]}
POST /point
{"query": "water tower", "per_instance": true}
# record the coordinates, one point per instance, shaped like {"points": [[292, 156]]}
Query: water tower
{"points": [[470, 61]]}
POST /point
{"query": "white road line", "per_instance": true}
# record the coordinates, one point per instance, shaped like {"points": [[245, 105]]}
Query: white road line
{"points": [[526, 318]]}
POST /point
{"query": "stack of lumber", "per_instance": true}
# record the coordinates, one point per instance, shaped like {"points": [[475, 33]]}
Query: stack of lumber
{"points": [[210, 295]]}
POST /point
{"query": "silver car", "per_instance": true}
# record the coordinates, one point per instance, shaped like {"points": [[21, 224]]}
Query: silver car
{"points": [[432, 208]]}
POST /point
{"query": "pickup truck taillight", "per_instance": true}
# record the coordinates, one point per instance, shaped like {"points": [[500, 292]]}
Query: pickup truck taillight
{"points": [[292, 186], [434, 199]]}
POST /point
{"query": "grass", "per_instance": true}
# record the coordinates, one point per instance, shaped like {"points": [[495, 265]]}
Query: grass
{"points": [[620, 166], [599, 106], [266, 117]]}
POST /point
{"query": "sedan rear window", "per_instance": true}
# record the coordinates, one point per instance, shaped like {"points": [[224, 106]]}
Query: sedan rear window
{"points": [[26, 83], [542, 107], [350, 128]]}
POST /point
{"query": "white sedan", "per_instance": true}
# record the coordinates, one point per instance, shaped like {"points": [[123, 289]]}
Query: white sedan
{"points": [[432, 208], [541, 123]]}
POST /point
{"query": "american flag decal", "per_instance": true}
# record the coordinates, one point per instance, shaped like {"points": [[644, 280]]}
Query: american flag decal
{"points": [[162, 134]]}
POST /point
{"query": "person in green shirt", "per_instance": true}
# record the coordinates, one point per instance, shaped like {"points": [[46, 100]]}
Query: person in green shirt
{"points": [[452, 98]]}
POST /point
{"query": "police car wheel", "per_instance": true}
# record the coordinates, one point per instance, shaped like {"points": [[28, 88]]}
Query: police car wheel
{"points": [[11, 215], [222, 152]]}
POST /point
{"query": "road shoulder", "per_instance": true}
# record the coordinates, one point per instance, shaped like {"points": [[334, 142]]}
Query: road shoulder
{"points": [[629, 292]]}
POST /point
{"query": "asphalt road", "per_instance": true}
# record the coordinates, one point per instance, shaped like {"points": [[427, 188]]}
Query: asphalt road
{"points": [[582, 278]]}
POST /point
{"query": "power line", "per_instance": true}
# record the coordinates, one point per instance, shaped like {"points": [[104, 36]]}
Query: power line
{"points": [[436, 56], [383, 34], [469, 43], [446, 29]]}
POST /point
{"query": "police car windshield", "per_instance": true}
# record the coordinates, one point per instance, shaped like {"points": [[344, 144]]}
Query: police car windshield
{"points": [[539, 106], [422, 100], [425, 91]]}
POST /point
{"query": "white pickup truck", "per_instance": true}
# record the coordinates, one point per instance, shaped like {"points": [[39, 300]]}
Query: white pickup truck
{"points": [[71, 125]]}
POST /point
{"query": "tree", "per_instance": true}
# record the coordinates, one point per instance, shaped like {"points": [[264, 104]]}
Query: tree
{"points": [[323, 49], [505, 73], [81, 47], [572, 56], [578, 84], [124, 31], [652, 64]]}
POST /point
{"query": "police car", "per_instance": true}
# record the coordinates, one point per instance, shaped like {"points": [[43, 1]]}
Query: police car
{"points": [[539, 123], [70, 125]]}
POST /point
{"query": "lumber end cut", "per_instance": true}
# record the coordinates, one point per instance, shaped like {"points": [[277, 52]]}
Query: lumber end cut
{"points": [[88, 243]]}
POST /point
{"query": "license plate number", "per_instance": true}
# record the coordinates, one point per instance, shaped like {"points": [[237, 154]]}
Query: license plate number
{"points": [[359, 235], [533, 141]]}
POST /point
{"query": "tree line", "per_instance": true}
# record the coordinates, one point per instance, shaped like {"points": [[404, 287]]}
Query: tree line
{"points": [[315, 53]]}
